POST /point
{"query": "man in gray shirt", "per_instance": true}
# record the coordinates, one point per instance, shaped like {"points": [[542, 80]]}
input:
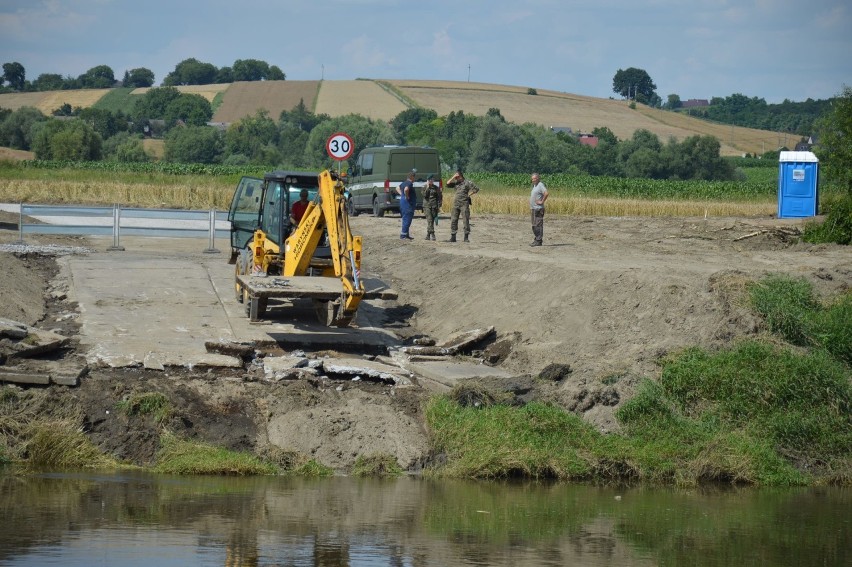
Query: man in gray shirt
{"points": [[538, 196]]}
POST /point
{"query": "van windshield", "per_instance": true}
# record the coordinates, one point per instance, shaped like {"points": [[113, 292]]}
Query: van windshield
{"points": [[424, 163]]}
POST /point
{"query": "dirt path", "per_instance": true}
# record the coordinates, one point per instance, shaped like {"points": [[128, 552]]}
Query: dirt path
{"points": [[606, 296]]}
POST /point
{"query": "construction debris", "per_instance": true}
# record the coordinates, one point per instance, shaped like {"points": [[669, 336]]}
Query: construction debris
{"points": [[458, 343]]}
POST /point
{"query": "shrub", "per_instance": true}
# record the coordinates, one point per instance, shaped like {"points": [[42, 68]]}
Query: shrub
{"points": [[837, 226]]}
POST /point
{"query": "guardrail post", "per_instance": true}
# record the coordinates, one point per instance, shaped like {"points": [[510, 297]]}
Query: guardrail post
{"points": [[20, 224], [116, 229], [211, 248]]}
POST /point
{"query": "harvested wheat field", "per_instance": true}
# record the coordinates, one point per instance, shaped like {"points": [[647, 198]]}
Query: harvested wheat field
{"points": [[48, 101], [10, 154], [367, 98], [580, 113], [246, 98]]}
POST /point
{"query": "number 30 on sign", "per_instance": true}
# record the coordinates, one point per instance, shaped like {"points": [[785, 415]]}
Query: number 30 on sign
{"points": [[340, 146]]}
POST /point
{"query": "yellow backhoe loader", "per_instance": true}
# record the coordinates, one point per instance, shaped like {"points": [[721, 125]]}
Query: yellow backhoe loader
{"points": [[316, 258]]}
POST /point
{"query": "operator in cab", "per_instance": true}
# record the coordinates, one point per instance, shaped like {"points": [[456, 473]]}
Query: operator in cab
{"points": [[298, 209]]}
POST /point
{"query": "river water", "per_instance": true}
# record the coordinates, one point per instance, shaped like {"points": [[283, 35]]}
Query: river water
{"points": [[88, 519]]}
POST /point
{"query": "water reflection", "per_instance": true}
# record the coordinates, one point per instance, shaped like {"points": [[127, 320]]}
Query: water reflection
{"points": [[139, 519]]}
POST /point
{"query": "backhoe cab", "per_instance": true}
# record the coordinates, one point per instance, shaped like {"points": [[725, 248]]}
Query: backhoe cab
{"points": [[318, 259]]}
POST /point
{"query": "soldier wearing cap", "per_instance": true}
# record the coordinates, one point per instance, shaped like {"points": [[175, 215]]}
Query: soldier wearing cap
{"points": [[432, 200], [461, 203]]}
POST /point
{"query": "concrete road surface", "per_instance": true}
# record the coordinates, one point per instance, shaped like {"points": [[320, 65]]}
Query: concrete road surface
{"points": [[160, 299]]}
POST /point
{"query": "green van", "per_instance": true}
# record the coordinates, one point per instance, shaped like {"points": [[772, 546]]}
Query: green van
{"points": [[379, 170]]}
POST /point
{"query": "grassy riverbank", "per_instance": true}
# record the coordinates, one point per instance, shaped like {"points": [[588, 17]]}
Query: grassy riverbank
{"points": [[775, 411]]}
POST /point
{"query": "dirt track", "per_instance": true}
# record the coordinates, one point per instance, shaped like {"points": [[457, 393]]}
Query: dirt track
{"points": [[606, 296]]}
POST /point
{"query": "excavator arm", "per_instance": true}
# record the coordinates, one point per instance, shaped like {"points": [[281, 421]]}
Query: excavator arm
{"points": [[328, 213]]}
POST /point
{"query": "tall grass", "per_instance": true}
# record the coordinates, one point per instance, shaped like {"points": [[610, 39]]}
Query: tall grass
{"points": [[180, 456], [791, 309]]}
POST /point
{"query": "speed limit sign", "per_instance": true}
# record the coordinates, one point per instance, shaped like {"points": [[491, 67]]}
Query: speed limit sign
{"points": [[340, 146]]}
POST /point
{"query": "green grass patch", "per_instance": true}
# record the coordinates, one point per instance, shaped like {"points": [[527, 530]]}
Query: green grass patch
{"points": [[801, 403], [312, 469], [118, 100], [498, 441], [381, 465], [152, 404], [179, 456], [792, 310]]}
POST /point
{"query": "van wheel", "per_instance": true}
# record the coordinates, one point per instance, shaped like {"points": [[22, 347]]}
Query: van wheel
{"points": [[377, 212], [350, 208]]}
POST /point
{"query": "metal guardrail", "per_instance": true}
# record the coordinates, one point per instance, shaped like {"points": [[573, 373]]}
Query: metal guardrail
{"points": [[118, 221]]}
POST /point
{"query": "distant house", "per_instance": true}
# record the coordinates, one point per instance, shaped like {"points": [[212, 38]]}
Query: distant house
{"points": [[695, 102], [589, 140], [805, 145], [557, 129]]}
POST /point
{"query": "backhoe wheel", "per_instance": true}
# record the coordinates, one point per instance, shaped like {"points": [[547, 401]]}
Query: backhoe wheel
{"points": [[350, 208]]}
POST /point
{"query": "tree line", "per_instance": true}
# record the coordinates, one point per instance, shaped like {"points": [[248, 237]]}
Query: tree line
{"points": [[798, 118], [296, 139], [188, 72]]}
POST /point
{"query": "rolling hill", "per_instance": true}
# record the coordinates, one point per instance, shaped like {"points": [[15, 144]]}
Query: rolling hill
{"points": [[384, 99]]}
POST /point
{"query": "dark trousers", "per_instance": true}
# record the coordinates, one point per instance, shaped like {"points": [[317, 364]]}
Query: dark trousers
{"points": [[406, 211], [538, 224]]}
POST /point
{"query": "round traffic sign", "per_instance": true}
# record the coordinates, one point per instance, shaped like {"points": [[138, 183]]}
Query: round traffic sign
{"points": [[340, 146]]}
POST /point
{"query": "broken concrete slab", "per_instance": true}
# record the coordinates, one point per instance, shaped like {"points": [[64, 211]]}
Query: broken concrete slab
{"points": [[35, 343], [285, 367], [366, 368], [13, 329], [450, 373], [160, 360], [24, 377], [457, 343]]}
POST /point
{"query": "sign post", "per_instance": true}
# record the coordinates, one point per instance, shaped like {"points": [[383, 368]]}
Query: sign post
{"points": [[339, 147]]}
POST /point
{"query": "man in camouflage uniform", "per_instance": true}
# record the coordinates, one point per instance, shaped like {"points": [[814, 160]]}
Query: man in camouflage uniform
{"points": [[461, 203], [432, 199]]}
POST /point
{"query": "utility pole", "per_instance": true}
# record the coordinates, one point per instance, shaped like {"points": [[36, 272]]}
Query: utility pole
{"points": [[322, 77], [468, 72]]}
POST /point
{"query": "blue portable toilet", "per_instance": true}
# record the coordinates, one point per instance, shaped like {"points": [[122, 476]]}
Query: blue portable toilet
{"points": [[797, 185]]}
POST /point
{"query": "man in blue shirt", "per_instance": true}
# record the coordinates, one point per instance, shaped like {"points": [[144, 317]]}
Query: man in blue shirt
{"points": [[407, 202]]}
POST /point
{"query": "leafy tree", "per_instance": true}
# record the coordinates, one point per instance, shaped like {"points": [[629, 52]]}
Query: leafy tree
{"points": [[292, 141], [193, 144], [249, 135], [191, 72], [139, 77], [192, 109], [14, 74], [100, 77], [409, 117], [834, 147], [64, 110], [66, 140], [16, 129], [495, 113], [494, 146], [275, 74], [125, 147], [633, 82], [364, 132], [673, 102], [301, 117], [250, 70], [224, 76], [105, 122], [48, 82], [153, 104]]}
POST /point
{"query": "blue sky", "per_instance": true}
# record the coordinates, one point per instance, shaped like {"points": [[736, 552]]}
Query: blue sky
{"points": [[774, 49]]}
